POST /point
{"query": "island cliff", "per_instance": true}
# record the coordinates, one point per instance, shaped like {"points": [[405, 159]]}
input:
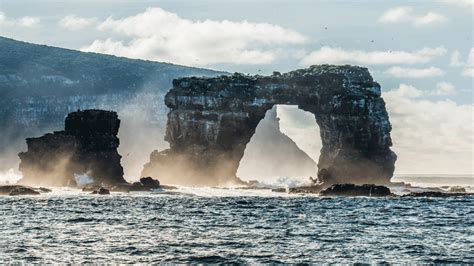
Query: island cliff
{"points": [[212, 119]]}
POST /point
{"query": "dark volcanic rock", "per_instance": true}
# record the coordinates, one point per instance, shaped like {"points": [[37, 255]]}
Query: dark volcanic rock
{"points": [[212, 120], [44, 190], [457, 189], [149, 182], [91, 187], [315, 189], [87, 145], [16, 190], [352, 190], [145, 184], [101, 191]]}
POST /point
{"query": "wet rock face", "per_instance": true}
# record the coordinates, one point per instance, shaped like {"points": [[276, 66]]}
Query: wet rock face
{"points": [[212, 120], [88, 145], [351, 190]]}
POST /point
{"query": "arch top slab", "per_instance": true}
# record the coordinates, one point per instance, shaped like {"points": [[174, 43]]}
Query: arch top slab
{"points": [[211, 120]]}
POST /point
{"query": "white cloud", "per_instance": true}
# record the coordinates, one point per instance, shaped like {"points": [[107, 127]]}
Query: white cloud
{"points": [[470, 58], [455, 59], [468, 65], [3, 18], [28, 21], [396, 14], [468, 72], [404, 14], [25, 21], [74, 22], [400, 72], [157, 34], [430, 136], [445, 88], [407, 91], [331, 55]]}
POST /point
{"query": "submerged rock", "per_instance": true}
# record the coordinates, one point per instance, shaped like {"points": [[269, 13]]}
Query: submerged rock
{"points": [[17, 190], [352, 190], [213, 119], [91, 187], [87, 145], [145, 184], [457, 189], [306, 189], [44, 190], [101, 191]]}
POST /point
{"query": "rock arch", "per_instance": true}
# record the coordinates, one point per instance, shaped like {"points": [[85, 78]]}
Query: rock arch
{"points": [[212, 119]]}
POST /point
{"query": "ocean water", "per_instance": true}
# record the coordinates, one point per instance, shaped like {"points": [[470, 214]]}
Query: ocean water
{"points": [[211, 225]]}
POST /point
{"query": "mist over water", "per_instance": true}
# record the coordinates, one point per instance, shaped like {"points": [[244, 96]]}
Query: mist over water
{"points": [[9, 177]]}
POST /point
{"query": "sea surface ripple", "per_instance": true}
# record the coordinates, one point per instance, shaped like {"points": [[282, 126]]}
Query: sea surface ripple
{"points": [[208, 226]]}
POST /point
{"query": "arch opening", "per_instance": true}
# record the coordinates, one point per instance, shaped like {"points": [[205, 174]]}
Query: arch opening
{"points": [[284, 149]]}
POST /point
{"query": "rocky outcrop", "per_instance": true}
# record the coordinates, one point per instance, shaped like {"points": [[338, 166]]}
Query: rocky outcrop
{"points": [[212, 120], [88, 145], [351, 190], [457, 189], [145, 184], [17, 190], [101, 191]]}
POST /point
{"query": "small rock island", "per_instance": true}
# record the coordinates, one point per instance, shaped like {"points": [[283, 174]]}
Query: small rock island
{"points": [[88, 145]]}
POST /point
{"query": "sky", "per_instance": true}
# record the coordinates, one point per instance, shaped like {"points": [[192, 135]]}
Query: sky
{"points": [[421, 52]]}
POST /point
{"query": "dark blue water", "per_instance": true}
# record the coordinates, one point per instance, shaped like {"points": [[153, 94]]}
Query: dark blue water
{"points": [[151, 227]]}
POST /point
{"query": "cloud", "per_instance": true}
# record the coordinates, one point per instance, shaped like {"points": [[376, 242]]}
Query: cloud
{"points": [[468, 65], [400, 72], [407, 91], [468, 72], [455, 59], [26, 21], [73, 22], [157, 34], [404, 14], [445, 88], [3, 18], [331, 55], [430, 136]]}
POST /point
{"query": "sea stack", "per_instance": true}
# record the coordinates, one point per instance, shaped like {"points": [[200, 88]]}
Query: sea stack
{"points": [[88, 145]]}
